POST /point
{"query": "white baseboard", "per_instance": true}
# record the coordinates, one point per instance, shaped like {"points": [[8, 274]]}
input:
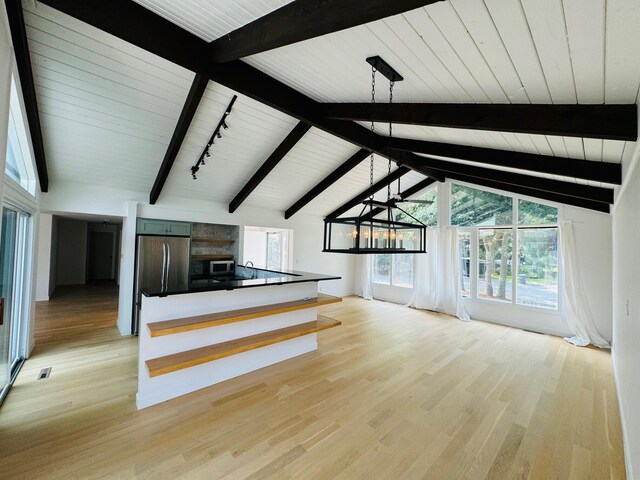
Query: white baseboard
{"points": [[625, 439]]}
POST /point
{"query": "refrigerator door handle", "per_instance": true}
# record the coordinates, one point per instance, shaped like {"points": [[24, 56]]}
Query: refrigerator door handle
{"points": [[164, 266], [168, 264]]}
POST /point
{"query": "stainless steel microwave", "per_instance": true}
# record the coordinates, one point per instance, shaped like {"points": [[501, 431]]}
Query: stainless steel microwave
{"points": [[221, 267]]}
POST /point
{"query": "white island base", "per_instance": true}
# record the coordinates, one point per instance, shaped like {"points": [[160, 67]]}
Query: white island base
{"points": [[176, 358]]}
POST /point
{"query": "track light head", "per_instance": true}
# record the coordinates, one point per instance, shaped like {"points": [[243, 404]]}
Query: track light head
{"points": [[219, 135], [225, 126]]}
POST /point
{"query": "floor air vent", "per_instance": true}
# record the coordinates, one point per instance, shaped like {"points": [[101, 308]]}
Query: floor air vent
{"points": [[44, 373]]}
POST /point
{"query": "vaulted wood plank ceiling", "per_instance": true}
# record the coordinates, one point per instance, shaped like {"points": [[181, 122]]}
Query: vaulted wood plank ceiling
{"points": [[471, 51]]}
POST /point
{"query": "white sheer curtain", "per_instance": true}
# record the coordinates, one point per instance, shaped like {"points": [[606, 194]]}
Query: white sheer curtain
{"points": [[367, 267], [436, 274], [577, 313]]}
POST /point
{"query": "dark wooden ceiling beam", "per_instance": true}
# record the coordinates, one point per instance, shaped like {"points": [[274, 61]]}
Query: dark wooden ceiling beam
{"points": [[270, 163], [141, 27], [23, 60], [531, 192], [417, 188], [136, 24], [597, 171], [533, 183], [186, 49], [304, 19], [612, 122], [326, 182], [194, 96], [376, 187]]}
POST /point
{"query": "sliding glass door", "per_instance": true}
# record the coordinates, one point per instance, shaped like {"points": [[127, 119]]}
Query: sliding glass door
{"points": [[14, 259]]}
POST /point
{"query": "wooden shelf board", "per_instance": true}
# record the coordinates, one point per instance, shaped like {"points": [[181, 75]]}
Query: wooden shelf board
{"points": [[169, 327], [212, 240], [212, 257], [198, 356]]}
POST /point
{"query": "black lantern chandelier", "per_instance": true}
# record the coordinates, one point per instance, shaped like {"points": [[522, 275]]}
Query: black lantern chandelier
{"points": [[376, 229]]}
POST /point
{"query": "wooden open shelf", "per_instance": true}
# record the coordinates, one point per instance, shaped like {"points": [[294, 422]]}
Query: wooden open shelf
{"points": [[212, 240], [198, 356], [212, 257], [168, 327]]}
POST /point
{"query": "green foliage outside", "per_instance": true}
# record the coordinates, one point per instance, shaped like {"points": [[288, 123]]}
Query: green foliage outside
{"points": [[426, 213], [536, 252]]}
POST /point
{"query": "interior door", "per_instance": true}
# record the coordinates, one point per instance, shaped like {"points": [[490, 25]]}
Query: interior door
{"points": [[101, 255]]}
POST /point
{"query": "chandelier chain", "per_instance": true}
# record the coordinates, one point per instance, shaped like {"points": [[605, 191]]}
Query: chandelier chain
{"points": [[373, 101]]}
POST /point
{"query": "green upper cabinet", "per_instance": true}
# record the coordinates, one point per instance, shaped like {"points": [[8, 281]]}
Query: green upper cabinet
{"points": [[179, 229], [148, 226]]}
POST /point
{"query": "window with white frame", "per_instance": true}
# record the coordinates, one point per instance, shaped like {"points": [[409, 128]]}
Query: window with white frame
{"points": [[511, 244], [396, 269], [426, 211], [18, 165]]}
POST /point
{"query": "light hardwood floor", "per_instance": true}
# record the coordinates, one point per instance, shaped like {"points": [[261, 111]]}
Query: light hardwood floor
{"points": [[392, 394]]}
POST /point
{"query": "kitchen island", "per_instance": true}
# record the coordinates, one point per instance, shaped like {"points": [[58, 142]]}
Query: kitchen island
{"points": [[215, 329]]}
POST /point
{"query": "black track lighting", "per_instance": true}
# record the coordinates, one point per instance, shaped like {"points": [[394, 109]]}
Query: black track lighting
{"points": [[216, 134]]}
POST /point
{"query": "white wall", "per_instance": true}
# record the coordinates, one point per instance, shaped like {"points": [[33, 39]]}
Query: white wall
{"points": [[45, 225], [53, 268], [626, 315]]}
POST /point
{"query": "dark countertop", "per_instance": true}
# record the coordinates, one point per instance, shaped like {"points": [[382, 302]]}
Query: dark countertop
{"points": [[266, 278]]}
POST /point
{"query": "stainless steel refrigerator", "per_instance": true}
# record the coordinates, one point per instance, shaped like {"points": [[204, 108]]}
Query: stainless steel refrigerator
{"points": [[162, 265]]}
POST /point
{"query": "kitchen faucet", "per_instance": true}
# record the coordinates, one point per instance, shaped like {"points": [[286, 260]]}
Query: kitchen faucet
{"points": [[253, 268]]}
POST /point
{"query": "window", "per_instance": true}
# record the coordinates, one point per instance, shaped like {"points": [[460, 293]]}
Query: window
{"points": [[267, 247], [18, 166], [464, 242], [382, 269], [402, 268], [396, 270], [494, 264], [538, 267], [427, 213], [531, 213], [473, 207]]}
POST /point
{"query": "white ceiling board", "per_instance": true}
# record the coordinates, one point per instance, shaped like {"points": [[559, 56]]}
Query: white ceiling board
{"points": [[586, 32], [76, 33], [622, 72], [612, 151], [477, 20], [433, 39], [210, 20], [547, 23], [255, 130], [347, 187], [512, 27], [314, 157], [108, 109], [333, 67]]}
